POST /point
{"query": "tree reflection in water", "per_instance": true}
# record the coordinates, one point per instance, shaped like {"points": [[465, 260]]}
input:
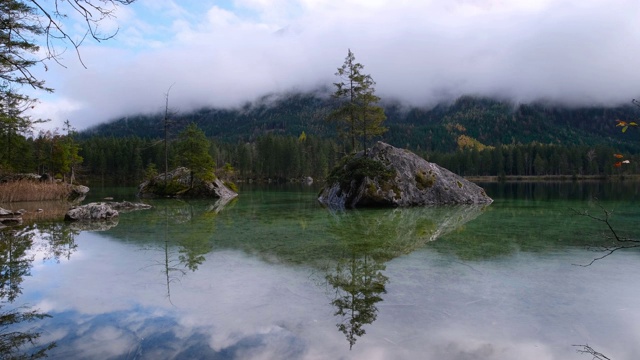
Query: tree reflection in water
{"points": [[358, 283], [16, 258], [186, 231], [365, 240]]}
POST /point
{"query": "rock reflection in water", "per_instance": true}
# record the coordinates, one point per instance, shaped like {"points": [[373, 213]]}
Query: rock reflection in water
{"points": [[370, 238]]}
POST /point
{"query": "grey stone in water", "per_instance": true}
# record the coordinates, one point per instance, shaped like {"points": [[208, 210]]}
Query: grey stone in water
{"points": [[80, 189], [103, 210], [180, 185], [9, 217], [77, 193], [91, 211], [408, 180]]}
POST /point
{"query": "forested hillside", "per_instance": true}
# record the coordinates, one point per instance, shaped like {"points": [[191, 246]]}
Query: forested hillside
{"points": [[289, 137], [489, 122]]}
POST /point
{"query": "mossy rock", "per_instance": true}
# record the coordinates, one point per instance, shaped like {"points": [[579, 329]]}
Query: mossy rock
{"points": [[387, 176], [424, 180]]}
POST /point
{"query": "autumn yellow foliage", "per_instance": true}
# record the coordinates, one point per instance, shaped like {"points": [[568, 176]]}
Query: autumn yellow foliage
{"points": [[467, 142]]}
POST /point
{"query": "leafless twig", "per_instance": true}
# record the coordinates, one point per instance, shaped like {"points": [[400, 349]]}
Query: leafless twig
{"points": [[621, 242], [586, 349]]}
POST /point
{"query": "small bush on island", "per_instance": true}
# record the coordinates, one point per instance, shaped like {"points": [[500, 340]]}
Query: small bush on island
{"points": [[357, 168], [171, 188], [231, 185], [26, 190]]}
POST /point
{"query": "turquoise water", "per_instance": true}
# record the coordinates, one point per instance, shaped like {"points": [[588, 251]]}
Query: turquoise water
{"points": [[272, 275]]}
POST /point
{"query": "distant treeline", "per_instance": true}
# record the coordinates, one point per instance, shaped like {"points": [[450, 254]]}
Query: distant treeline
{"points": [[279, 158], [283, 158], [289, 137]]}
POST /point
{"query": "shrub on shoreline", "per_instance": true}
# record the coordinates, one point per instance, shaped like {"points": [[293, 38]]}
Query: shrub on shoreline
{"points": [[25, 190]]}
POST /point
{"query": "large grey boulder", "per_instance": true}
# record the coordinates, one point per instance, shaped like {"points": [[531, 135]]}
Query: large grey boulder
{"points": [[178, 183], [91, 211], [392, 177]]}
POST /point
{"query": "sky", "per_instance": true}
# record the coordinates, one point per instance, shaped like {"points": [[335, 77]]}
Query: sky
{"points": [[420, 52]]}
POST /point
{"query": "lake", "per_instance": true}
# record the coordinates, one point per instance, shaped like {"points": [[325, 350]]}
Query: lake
{"points": [[273, 275]]}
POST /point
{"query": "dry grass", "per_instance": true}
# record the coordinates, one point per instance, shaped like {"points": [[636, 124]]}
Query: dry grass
{"points": [[25, 190]]}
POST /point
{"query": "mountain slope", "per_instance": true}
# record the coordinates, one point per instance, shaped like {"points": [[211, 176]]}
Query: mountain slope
{"points": [[489, 121]]}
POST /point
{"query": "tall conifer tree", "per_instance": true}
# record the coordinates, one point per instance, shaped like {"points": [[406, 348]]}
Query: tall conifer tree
{"points": [[358, 113]]}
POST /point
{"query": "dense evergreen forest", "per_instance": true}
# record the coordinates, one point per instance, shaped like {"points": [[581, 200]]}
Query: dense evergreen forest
{"points": [[289, 137], [489, 121]]}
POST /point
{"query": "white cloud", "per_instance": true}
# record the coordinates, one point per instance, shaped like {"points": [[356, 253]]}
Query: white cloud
{"points": [[576, 52]]}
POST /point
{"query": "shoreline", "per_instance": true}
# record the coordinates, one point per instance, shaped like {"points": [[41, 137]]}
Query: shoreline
{"points": [[553, 178]]}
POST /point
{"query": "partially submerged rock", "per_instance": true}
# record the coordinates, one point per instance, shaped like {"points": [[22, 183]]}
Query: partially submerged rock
{"points": [[9, 217], [392, 177], [102, 210], [91, 211], [179, 183], [77, 192]]}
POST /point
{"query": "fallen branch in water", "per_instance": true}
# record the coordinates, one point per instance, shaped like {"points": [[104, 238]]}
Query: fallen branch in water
{"points": [[621, 242]]}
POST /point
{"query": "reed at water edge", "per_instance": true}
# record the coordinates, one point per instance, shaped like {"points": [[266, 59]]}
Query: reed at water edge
{"points": [[26, 190]]}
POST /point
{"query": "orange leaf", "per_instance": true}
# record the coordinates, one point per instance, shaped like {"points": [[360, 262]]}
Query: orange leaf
{"points": [[618, 156], [621, 123], [618, 164]]}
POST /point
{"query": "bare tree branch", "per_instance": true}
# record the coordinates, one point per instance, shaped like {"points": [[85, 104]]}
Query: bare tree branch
{"points": [[92, 14], [586, 349], [621, 242]]}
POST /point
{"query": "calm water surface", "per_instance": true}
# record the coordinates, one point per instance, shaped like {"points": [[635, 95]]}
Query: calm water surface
{"points": [[272, 275]]}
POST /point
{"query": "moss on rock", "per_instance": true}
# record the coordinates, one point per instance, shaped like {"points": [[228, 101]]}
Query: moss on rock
{"points": [[424, 180]]}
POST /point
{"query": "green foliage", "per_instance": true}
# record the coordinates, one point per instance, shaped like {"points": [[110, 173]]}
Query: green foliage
{"points": [[193, 152], [171, 188], [151, 171], [357, 168], [490, 122], [231, 185], [424, 180], [20, 25], [358, 116]]}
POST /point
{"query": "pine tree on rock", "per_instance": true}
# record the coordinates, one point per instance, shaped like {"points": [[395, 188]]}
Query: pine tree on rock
{"points": [[371, 116], [358, 115], [193, 150]]}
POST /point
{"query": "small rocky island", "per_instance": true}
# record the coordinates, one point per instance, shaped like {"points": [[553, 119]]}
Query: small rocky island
{"points": [[181, 182], [390, 177]]}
